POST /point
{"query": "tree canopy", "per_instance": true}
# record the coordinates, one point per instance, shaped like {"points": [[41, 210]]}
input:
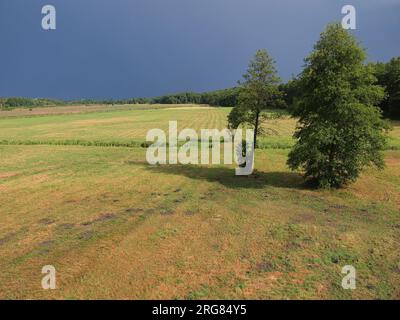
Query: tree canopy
{"points": [[259, 91], [340, 127]]}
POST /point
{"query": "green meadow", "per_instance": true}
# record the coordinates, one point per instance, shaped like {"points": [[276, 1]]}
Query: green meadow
{"points": [[76, 192]]}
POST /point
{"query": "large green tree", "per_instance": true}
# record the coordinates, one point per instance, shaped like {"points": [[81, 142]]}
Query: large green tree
{"points": [[340, 129], [258, 92]]}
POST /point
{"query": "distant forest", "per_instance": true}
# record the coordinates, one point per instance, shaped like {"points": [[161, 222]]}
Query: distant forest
{"points": [[387, 74], [223, 98]]}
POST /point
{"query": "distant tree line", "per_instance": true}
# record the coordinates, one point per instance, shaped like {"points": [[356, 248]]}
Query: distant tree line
{"points": [[13, 102], [223, 98], [387, 74]]}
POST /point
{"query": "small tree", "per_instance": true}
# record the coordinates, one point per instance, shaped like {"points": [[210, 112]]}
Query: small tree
{"points": [[258, 92], [340, 130]]}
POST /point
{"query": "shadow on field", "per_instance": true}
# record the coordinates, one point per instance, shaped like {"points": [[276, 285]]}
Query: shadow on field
{"points": [[226, 176]]}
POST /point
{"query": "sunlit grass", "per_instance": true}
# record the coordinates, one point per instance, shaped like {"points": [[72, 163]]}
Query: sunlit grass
{"points": [[116, 227]]}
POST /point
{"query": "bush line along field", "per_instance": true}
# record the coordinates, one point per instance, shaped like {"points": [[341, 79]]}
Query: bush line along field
{"points": [[116, 227]]}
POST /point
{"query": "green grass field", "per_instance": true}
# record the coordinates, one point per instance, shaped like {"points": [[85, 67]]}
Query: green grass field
{"points": [[116, 227]]}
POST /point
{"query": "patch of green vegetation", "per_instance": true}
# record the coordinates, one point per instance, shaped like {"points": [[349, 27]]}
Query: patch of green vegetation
{"points": [[340, 256], [164, 233], [201, 293]]}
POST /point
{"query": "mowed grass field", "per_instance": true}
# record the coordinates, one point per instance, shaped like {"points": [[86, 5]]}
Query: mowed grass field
{"points": [[115, 227]]}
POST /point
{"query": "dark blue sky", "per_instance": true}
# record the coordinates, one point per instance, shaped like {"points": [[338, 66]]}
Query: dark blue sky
{"points": [[132, 48]]}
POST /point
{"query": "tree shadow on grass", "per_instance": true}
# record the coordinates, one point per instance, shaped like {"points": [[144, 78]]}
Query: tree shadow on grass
{"points": [[226, 176]]}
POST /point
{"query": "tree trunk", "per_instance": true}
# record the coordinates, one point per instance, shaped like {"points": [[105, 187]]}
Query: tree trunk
{"points": [[256, 128]]}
